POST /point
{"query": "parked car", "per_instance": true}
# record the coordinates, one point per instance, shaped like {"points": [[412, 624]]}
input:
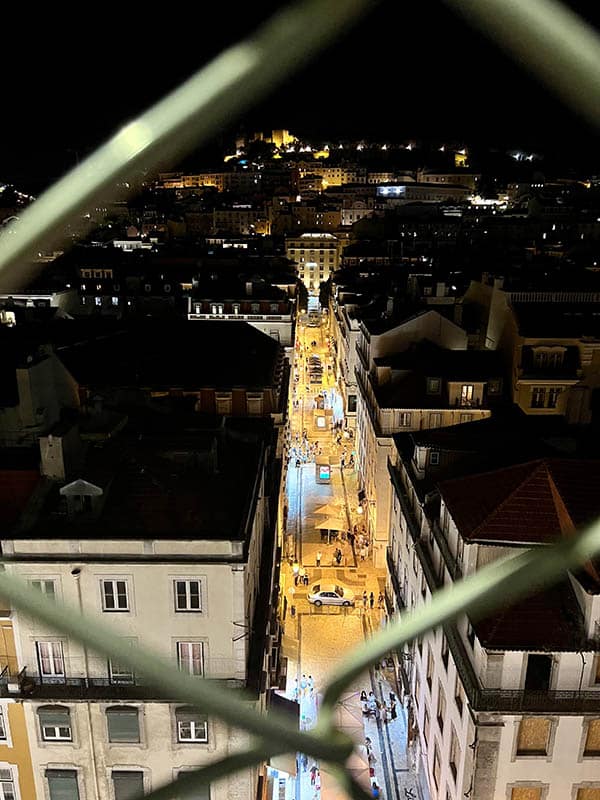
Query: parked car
{"points": [[331, 595]]}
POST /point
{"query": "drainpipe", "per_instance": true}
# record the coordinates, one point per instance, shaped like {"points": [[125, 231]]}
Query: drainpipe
{"points": [[76, 573]]}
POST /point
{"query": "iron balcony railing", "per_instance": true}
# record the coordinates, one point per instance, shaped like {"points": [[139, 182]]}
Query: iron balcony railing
{"points": [[402, 494]]}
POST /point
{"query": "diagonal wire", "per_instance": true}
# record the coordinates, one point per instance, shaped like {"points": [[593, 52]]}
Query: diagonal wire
{"points": [[550, 40], [171, 683], [187, 117]]}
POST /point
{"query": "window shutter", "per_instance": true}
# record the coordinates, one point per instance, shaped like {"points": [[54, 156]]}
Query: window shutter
{"points": [[128, 785], [189, 714], [123, 724], [62, 784], [54, 716]]}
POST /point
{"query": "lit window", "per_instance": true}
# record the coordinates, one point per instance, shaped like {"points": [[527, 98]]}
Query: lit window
{"points": [[115, 301], [98, 301], [538, 397], [534, 734], [433, 385], [404, 419], [434, 458], [223, 403], [592, 739]]}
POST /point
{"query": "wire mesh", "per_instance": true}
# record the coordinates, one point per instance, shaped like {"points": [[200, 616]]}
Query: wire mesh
{"points": [[530, 29]]}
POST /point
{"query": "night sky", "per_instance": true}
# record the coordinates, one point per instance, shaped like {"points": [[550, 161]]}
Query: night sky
{"points": [[71, 80]]}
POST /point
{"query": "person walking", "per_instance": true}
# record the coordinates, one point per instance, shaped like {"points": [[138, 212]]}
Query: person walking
{"points": [[393, 711], [371, 599], [313, 774], [319, 556], [365, 600], [305, 578], [380, 600]]}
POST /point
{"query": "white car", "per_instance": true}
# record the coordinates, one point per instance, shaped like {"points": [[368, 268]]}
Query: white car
{"points": [[331, 595]]}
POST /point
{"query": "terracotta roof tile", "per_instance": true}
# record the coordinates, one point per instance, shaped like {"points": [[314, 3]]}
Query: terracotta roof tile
{"points": [[532, 503]]}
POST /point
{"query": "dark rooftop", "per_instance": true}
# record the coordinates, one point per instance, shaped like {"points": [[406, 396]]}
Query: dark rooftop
{"points": [[195, 484], [569, 320]]}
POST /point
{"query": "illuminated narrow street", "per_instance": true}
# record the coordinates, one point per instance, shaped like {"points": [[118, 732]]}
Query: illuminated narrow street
{"points": [[321, 512]]}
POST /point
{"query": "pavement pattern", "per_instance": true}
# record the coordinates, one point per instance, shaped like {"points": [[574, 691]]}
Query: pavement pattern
{"points": [[317, 639]]}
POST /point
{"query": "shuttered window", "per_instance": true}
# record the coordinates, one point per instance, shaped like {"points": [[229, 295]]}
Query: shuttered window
{"points": [[55, 723], [592, 741], [128, 785], [192, 726], [534, 733], [123, 724], [62, 784], [197, 793]]}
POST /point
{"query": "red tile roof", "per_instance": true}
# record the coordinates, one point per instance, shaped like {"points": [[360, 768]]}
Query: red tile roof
{"points": [[16, 487], [533, 503]]}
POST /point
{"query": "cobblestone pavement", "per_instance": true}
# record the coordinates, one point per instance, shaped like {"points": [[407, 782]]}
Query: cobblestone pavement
{"points": [[317, 639]]}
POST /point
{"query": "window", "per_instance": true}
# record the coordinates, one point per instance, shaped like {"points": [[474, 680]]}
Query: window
{"points": [[404, 419], [429, 668], [553, 397], [426, 726], [592, 739], [62, 784], [198, 792], [236, 308], [471, 634], [588, 793], [538, 397], [466, 394], [55, 723], [114, 301], [596, 671], [526, 793], [436, 766], [454, 754], [123, 724], [120, 674], [254, 404], [192, 726], [494, 386], [3, 736], [351, 403], [127, 784], [459, 695], [434, 458], [534, 734], [223, 402], [114, 595], [433, 385], [445, 651], [98, 301], [188, 596], [417, 691], [465, 418], [423, 587], [7, 784], [50, 659], [441, 708], [435, 419], [190, 657], [83, 287], [46, 587]]}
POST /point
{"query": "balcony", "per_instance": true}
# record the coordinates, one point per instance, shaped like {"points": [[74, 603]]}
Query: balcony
{"points": [[36, 688], [404, 499], [394, 578]]}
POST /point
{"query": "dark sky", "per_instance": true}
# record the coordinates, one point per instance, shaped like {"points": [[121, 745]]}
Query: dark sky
{"points": [[70, 79]]}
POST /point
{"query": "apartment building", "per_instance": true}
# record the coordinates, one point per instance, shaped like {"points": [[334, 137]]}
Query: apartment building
{"points": [[507, 706], [406, 382], [550, 339], [316, 256], [187, 570]]}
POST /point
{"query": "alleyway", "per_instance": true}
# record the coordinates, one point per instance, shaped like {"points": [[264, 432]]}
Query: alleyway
{"points": [[317, 639]]}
